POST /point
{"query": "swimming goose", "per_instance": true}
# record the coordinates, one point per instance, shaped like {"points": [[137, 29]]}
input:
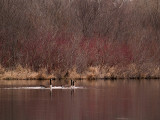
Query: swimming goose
{"points": [[51, 84], [43, 86], [73, 83]]}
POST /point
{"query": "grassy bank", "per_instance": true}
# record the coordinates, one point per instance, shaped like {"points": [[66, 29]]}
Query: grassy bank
{"points": [[131, 71]]}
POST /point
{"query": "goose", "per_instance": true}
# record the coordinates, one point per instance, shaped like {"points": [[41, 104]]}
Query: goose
{"points": [[43, 86], [51, 84], [66, 85], [73, 83]]}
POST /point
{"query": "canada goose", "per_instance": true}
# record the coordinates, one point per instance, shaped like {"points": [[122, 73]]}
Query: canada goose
{"points": [[73, 83], [43, 86], [51, 84], [67, 85]]}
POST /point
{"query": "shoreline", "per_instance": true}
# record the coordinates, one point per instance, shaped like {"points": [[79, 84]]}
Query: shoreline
{"points": [[108, 78]]}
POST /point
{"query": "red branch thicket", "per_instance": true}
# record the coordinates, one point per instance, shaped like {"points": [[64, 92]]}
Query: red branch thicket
{"points": [[66, 34]]}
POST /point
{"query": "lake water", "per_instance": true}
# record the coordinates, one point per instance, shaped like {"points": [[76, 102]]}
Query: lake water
{"points": [[96, 100]]}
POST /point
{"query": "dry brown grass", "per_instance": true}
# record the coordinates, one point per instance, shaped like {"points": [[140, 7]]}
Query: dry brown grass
{"points": [[92, 73], [23, 73], [74, 74], [145, 70]]}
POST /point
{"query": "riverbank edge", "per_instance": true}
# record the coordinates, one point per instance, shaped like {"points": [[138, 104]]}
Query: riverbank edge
{"points": [[108, 78]]}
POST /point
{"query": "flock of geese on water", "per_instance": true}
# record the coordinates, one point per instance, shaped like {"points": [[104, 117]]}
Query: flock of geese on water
{"points": [[72, 84]]}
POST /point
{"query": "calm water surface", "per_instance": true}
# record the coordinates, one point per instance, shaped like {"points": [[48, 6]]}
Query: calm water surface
{"points": [[100, 100]]}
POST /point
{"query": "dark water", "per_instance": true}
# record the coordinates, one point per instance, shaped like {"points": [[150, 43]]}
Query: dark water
{"points": [[101, 100]]}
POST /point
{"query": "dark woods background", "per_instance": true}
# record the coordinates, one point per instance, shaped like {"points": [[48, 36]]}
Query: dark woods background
{"points": [[63, 34]]}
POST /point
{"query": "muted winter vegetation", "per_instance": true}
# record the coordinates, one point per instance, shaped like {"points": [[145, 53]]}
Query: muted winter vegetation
{"points": [[40, 39]]}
